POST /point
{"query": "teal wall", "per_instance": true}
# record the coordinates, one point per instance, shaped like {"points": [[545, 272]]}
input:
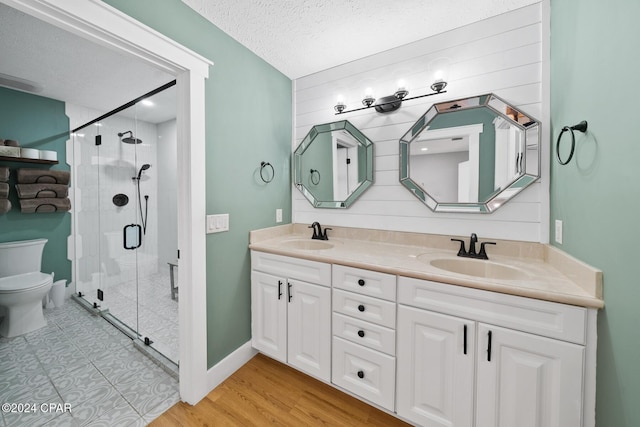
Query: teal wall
{"points": [[41, 123], [595, 69], [248, 120]]}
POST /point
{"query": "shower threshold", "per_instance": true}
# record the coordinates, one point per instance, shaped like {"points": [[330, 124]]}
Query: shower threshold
{"points": [[166, 364]]}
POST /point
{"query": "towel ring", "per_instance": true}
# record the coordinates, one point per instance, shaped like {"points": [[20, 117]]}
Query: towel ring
{"points": [[273, 172], [315, 171], [581, 127]]}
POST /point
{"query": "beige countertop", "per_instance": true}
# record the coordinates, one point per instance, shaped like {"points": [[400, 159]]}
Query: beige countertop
{"points": [[543, 272]]}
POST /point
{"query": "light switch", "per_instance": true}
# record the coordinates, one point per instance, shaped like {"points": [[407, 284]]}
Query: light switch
{"points": [[217, 223]]}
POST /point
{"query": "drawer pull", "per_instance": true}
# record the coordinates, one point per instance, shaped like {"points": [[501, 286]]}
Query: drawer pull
{"points": [[361, 333], [289, 291], [279, 289], [361, 307], [360, 374], [489, 347], [361, 282], [464, 341]]}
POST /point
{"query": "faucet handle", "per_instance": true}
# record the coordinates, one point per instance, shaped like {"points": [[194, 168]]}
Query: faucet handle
{"points": [[462, 251], [324, 235], [483, 254]]}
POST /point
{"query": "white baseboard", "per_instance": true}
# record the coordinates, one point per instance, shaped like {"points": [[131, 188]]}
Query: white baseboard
{"points": [[227, 366]]}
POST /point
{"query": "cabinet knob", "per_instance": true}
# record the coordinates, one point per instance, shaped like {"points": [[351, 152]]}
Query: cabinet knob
{"points": [[361, 307], [361, 282], [361, 334], [360, 374]]}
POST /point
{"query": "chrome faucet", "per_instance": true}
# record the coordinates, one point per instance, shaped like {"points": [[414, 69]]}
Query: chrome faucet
{"points": [[473, 240], [318, 234]]}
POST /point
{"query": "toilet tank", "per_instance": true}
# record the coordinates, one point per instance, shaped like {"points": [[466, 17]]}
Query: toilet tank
{"points": [[20, 257]]}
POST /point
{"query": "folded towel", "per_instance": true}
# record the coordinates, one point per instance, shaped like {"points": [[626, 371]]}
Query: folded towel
{"points": [[33, 176], [4, 174], [44, 205], [5, 206], [33, 191], [4, 190]]}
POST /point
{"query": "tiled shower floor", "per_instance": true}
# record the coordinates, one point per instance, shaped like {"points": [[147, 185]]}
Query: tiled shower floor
{"points": [[156, 312], [84, 361]]}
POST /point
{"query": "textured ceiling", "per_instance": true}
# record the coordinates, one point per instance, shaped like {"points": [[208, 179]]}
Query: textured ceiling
{"points": [[302, 37], [70, 68]]}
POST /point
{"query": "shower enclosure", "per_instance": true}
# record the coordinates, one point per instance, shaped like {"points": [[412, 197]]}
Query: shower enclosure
{"points": [[125, 218]]}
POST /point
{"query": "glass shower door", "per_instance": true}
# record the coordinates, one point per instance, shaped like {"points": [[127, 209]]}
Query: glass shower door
{"points": [[126, 220]]}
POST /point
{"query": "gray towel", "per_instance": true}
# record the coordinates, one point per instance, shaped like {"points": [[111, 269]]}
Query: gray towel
{"points": [[33, 176], [4, 174], [4, 190], [33, 191], [5, 206], [44, 205]]}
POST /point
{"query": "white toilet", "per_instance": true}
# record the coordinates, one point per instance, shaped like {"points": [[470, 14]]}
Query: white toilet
{"points": [[22, 286]]}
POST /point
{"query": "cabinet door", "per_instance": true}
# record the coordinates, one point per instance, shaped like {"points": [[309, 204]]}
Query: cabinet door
{"points": [[527, 381], [269, 315], [309, 321], [435, 378]]}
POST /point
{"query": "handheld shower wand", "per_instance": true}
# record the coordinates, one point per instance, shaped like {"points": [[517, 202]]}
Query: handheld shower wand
{"points": [[143, 218]]}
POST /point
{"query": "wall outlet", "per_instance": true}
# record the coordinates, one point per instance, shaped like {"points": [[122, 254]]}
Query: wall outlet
{"points": [[558, 236], [278, 215], [217, 223]]}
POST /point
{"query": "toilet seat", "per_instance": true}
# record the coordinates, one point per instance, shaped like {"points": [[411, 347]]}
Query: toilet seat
{"points": [[24, 282]]}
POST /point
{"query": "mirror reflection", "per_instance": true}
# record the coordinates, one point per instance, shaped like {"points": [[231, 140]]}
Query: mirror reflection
{"points": [[470, 154], [333, 165]]}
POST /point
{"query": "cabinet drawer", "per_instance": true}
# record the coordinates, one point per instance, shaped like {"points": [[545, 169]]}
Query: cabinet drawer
{"points": [[364, 372], [365, 308], [315, 272], [365, 282], [545, 318], [365, 333]]}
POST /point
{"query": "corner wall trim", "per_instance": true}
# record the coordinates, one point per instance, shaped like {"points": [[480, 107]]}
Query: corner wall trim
{"points": [[227, 366]]}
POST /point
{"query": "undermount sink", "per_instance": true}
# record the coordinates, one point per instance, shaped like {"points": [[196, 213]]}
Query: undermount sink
{"points": [[478, 268], [308, 244]]}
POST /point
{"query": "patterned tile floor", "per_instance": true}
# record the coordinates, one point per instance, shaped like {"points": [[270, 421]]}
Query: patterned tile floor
{"points": [[156, 315], [83, 361]]}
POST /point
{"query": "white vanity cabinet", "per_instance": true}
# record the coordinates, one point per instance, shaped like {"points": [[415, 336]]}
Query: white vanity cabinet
{"points": [[364, 328], [466, 354], [291, 311]]}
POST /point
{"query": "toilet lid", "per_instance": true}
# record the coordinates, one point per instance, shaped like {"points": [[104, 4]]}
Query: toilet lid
{"points": [[23, 282]]}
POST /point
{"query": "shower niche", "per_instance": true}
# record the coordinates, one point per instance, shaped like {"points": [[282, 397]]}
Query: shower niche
{"points": [[125, 221]]}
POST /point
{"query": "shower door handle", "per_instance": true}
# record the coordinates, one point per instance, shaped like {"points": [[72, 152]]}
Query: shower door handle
{"points": [[132, 236]]}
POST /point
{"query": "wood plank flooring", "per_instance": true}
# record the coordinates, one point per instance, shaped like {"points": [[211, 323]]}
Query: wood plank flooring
{"points": [[266, 392]]}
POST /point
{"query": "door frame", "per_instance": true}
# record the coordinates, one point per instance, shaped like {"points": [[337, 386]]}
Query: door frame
{"points": [[102, 24]]}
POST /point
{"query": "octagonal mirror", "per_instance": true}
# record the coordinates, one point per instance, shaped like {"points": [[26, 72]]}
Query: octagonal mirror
{"points": [[470, 155], [333, 165]]}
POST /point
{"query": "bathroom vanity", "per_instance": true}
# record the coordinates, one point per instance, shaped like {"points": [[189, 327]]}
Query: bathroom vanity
{"points": [[399, 321]]}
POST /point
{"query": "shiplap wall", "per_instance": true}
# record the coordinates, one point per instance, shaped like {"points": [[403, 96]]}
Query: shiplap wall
{"points": [[506, 55]]}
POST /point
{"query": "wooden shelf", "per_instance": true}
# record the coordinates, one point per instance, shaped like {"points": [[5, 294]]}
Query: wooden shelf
{"points": [[25, 160]]}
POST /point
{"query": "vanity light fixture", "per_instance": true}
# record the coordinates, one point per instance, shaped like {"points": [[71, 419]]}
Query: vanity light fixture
{"points": [[389, 103], [340, 105], [368, 97]]}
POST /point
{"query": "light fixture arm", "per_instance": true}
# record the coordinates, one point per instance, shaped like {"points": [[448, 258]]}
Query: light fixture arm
{"points": [[395, 100]]}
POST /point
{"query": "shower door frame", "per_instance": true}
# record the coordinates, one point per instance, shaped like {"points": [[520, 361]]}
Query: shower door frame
{"points": [[100, 23]]}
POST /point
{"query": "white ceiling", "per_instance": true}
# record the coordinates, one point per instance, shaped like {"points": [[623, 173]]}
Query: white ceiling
{"points": [[302, 37], [297, 37], [70, 68]]}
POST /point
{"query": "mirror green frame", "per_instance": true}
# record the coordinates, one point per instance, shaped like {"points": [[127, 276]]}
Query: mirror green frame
{"points": [[470, 155], [333, 165]]}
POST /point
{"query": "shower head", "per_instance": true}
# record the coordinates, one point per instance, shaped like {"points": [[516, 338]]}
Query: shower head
{"points": [[142, 169], [130, 139]]}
